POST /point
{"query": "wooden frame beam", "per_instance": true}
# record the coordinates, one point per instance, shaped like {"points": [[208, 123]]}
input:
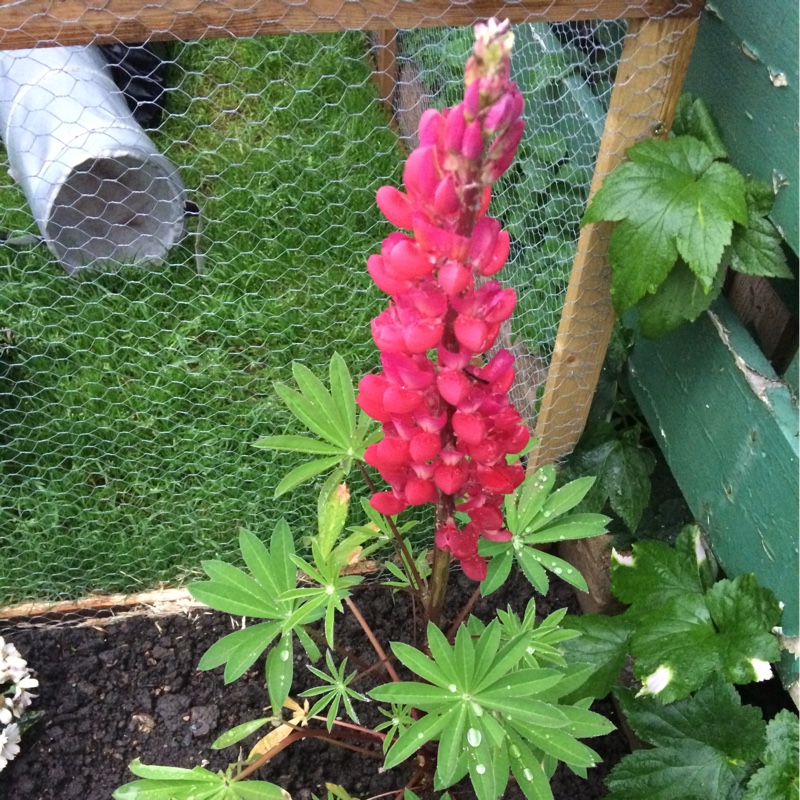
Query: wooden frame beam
{"points": [[32, 23]]}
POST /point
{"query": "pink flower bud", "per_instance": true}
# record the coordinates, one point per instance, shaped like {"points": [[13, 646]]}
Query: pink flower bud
{"points": [[384, 281], [429, 125], [475, 567], [395, 206], [454, 129], [387, 503], [453, 386], [454, 277], [445, 199], [397, 400], [424, 447], [472, 145], [501, 535], [419, 491], [501, 478], [470, 428], [499, 115], [487, 518], [412, 372], [423, 335], [449, 478], [434, 240], [405, 260], [484, 241], [471, 332], [370, 397], [421, 174], [472, 101], [499, 256], [391, 451]]}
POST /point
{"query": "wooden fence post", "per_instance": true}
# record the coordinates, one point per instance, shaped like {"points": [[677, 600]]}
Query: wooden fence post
{"points": [[385, 74], [649, 79]]}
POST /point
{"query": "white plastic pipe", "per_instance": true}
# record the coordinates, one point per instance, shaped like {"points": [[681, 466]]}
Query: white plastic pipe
{"points": [[101, 193]]}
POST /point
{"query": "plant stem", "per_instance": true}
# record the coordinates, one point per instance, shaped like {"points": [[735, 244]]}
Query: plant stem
{"points": [[439, 574], [372, 640], [308, 733], [462, 614], [319, 638], [398, 539]]}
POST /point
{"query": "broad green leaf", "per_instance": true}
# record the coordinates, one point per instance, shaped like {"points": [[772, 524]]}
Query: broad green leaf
{"points": [[280, 668], [559, 567], [170, 783], [410, 741], [603, 643], [486, 649], [705, 747], [671, 198], [157, 772], [532, 496], [298, 444], [507, 658], [657, 573], [343, 392], [442, 652], [419, 663], [240, 649], [744, 614], [332, 508], [692, 118], [585, 723], [587, 526], [755, 249], [522, 683], [238, 733], [532, 712], [464, 657], [315, 391], [779, 778], [259, 790], [680, 298], [304, 473], [713, 716]]}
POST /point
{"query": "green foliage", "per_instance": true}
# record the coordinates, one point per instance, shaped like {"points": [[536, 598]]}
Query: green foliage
{"points": [[331, 415], [490, 713], [535, 515], [683, 215], [337, 691], [682, 628], [779, 777], [705, 747], [174, 783], [610, 447], [236, 734]]}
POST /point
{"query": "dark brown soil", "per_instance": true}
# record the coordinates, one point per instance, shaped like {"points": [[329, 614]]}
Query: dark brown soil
{"points": [[131, 689]]}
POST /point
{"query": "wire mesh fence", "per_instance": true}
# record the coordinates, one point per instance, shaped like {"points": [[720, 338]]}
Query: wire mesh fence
{"points": [[131, 394]]}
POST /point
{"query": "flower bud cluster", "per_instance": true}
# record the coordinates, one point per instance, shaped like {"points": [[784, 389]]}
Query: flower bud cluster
{"points": [[447, 421]]}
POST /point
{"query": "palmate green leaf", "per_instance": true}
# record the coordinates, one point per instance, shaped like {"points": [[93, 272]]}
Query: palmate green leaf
{"points": [[705, 747], [498, 570], [603, 643], [755, 249], [304, 473], [240, 649], [558, 743], [258, 561], [420, 695], [343, 393], [527, 770], [451, 745], [680, 298], [692, 118], [232, 591], [744, 614], [170, 783], [297, 444], [332, 508], [419, 663], [238, 733], [657, 572], [258, 790], [420, 733], [310, 414], [315, 392], [779, 778], [671, 198]]}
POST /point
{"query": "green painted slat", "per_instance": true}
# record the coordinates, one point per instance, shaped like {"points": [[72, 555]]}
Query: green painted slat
{"points": [[729, 431], [746, 51]]}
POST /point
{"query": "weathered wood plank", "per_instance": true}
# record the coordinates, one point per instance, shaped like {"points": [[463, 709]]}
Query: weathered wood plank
{"points": [[70, 22], [649, 80], [385, 74], [729, 431]]}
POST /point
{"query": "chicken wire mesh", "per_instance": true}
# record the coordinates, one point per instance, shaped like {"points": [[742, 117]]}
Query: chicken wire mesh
{"points": [[130, 395]]}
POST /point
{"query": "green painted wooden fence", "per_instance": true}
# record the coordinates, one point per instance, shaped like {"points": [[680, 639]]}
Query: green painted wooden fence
{"points": [[726, 422]]}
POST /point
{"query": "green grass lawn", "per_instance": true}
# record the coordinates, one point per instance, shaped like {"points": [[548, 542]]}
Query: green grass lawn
{"points": [[129, 402]]}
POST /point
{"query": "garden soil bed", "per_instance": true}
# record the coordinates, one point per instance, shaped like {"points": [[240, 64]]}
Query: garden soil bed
{"points": [[130, 689]]}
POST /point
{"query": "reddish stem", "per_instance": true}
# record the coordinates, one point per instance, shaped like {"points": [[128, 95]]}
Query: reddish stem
{"points": [[376, 645], [462, 614]]}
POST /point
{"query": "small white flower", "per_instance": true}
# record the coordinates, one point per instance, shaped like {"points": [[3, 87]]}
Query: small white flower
{"points": [[699, 549], [657, 682], [621, 558], [20, 701], [9, 744], [762, 669], [6, 711]]}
